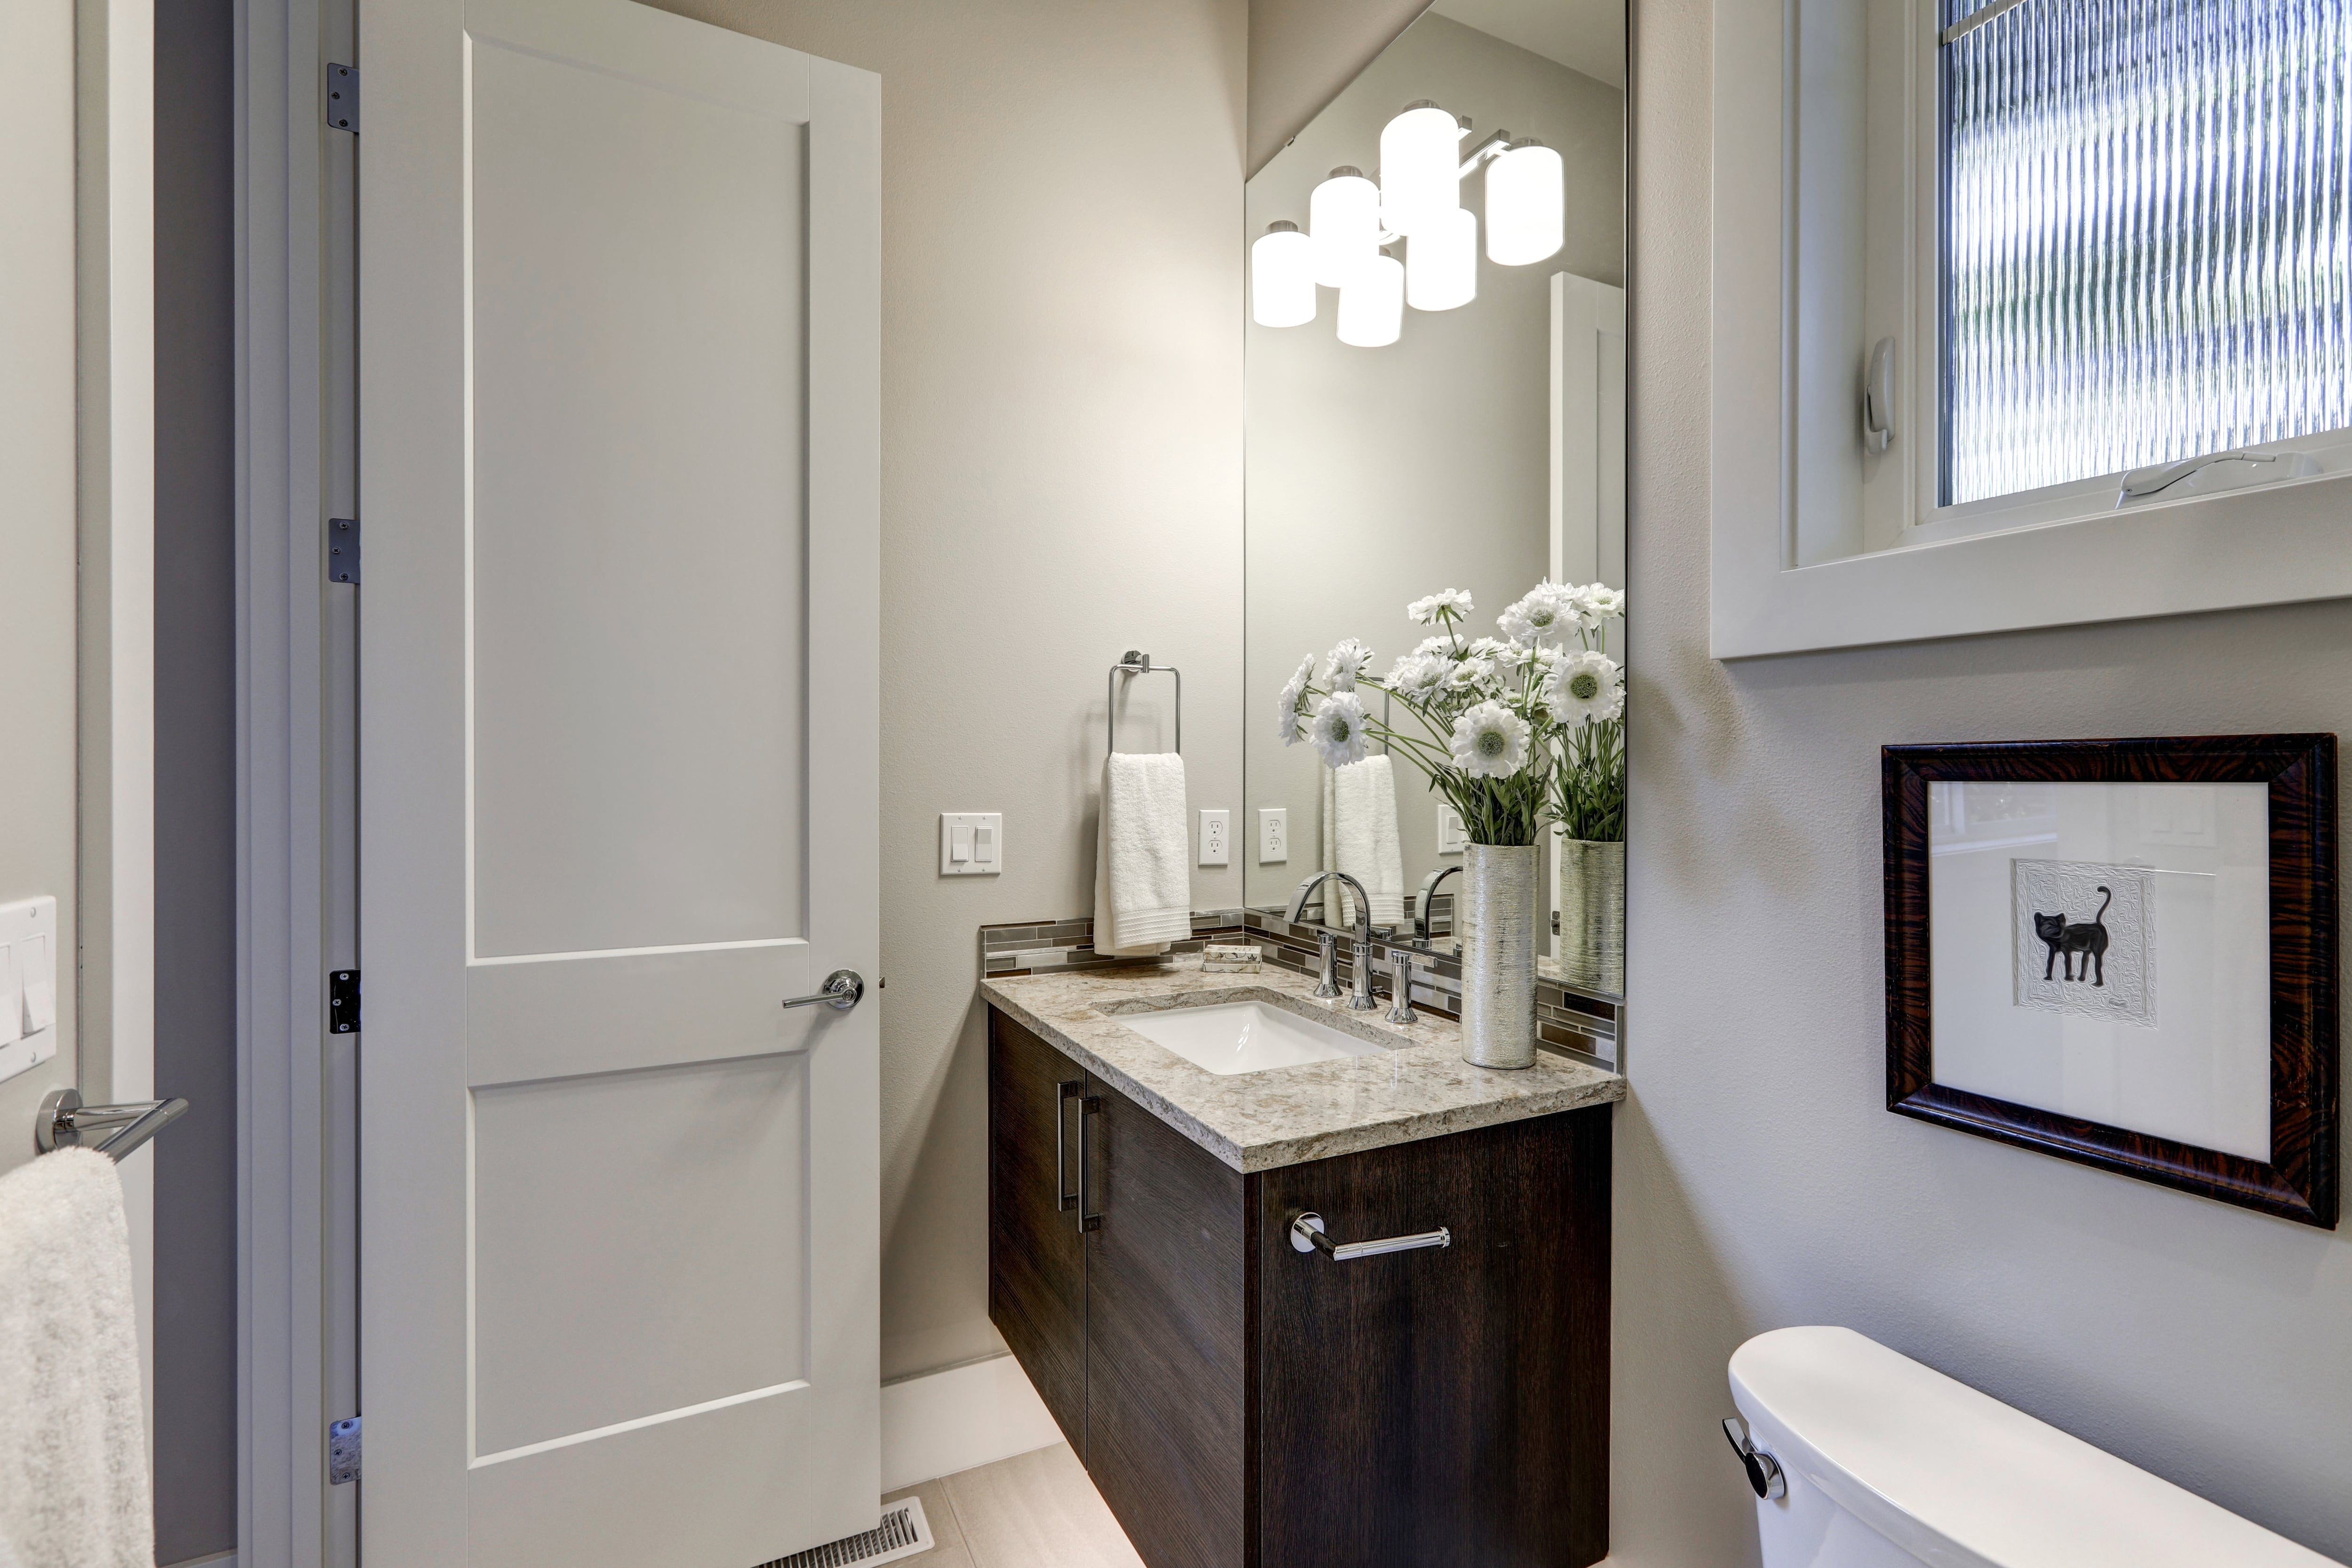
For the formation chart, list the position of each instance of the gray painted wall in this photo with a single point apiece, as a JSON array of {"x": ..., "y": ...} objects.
[
  {"x": 1061, "y": 481},
  {"x": 1761, "y": 1181},
  {"x": 195, "y": 784}
]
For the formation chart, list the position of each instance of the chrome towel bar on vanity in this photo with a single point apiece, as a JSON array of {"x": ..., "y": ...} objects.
[{"x": 1307, "y": 1235}]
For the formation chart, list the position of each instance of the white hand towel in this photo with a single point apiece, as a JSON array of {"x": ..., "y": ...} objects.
[
  {"x": 73, "y": 1447},
  {"x": 1143, "y": 887},
  {"x": 1367, "y": 842}
]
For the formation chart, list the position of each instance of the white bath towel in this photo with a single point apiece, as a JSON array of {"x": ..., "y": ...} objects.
[
  {"x": 73, "y": 1445},
  {"x": 1359, "y": 838},
  {"x": 1143, "y": 887}
]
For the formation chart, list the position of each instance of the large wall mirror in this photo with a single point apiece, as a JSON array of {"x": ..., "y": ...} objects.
[{"x": 1451, "y": 417}]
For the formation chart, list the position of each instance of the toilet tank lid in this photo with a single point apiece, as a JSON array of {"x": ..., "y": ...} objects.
[{"x": 1961, "y": 1480}]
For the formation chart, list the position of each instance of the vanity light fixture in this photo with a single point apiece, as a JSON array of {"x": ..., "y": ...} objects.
[
  {"x": 1282, "y": 276},
  {"x": 1343, "y": 221},
  {"x": 1371, "y": 303},
  {"x": 1420, "y": 159},
  {"x": 1417, "y": 200},
  {"x": 1525, "y": 204},
  {"x": 1441, "y": 262}
]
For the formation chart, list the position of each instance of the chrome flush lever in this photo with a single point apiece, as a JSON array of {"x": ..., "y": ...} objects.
[
  {"x": 1763, "y": 1469},
  {"x": 843, "y": 989}
]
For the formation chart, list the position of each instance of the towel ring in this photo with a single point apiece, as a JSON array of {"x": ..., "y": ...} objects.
[{"x": 1134, "y": 663}]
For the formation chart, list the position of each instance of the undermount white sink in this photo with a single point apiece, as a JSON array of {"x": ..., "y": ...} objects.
[{"x": 1245, "y": 1037}]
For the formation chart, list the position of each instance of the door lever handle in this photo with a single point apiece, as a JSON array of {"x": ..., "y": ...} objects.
[{"x": 843, "y": 989}]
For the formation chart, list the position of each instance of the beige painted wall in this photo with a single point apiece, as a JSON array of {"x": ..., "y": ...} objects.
[
  {"x": 1061, "y": 454},
  {"x": 1761, "y": 1181},
  {"x": 38, "y": 499}
]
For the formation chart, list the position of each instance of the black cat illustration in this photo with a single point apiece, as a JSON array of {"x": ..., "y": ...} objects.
[{"x": 2089, "y": 940}]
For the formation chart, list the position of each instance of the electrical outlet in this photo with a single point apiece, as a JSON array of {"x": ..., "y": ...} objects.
[
  {"x": 1216, "y": 838},
  {"x": 1452, "y": 837},
  {"x": 972, "y": 843},
  {"x": 1273, "y": 835}
]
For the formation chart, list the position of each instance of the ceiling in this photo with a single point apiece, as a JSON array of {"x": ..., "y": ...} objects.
[{"x": 1587, "y": 35}]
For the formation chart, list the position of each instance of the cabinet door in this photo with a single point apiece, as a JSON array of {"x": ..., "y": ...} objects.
[
  {"x": 1167, "y": 1440},
  {"x": 1448, "y": 1404},
  {"x": 1037, "y": 1257}
]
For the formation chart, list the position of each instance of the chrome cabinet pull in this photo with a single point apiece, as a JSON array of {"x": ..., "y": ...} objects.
[
  {"x": 1063, "y": 1094},
  {"x": 843, "y": 989},
  {"x": 1307, "y": 1235},
  {"x": 1088, "y": 1109}
]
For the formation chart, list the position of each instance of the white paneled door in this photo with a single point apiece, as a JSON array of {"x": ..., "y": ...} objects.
[{"x": 619, "y": 357}]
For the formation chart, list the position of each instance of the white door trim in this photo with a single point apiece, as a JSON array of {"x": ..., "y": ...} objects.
[
  {"x": 114, "y": 111},
  {"x": 281, "y": 1411}
]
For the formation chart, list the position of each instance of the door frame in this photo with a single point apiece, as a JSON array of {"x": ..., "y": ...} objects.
[{"x": 280, "y": 237}]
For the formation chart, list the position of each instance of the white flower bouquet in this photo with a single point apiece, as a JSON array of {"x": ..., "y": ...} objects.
[{"x": 1501, "y": 722}]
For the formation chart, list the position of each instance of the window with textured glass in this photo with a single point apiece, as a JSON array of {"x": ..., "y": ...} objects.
[{"x": 2145, "y": 252}]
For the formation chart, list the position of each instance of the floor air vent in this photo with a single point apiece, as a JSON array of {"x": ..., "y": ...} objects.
[{"x": 902, "y": 1533}]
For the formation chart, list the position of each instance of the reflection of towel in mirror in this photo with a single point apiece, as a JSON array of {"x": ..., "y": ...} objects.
[
  {"x": 1143, "y": 889},
  {"x": 74, "y": 1487},
  {"x": 1359, "y": 838}
]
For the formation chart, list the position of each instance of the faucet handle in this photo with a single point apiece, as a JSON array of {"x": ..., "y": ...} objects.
[
  {"x": 1400, "y": 988},
  {"x": 1329, "y": 985}
]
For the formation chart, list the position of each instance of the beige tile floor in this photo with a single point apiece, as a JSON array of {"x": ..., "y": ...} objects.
[{"x": 1032, "y": 1511}]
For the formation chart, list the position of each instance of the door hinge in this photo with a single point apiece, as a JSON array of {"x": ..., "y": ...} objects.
[
  {"x": 343, "y": 550},
  {"x": 343, "y": 1001},
  {"x": 344, "y": 98},
  {"x": 342, "y": 1451}
]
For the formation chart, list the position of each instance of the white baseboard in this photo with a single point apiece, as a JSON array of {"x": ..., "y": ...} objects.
[{"x": 949, "y": 1421}]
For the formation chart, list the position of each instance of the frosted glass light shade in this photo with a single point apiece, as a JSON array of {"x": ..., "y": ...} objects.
[
  {"x": 1527, "y": 196},
  {"x": 1371, "y": 303},
  {"x": 1343, "y": 218},
  {"x": 1441, "y": 262},
  {"x": 1421, "y": 163},
  {"x": 1282, "y": 276}
]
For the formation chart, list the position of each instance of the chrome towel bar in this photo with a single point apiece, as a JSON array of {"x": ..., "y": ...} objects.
[
  {"x": 65, "y": 1122},
  {"x": 1307, "y": 1235},
  {"x": 1133, "y": 663}
]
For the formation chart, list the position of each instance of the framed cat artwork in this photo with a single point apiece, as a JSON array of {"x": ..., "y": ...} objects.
[{"x": 2123, "y": 953}]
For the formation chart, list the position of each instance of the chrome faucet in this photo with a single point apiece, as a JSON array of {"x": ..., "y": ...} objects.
[
  {"x": 1361, "y": 997},
  {"x": 1420, "y": 905}
]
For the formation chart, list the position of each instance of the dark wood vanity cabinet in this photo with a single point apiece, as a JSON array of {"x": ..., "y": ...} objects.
[{"x": 1241, "y": 1404}]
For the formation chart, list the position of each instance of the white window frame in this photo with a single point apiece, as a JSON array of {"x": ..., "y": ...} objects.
[{"x": 2061, "y": 556}]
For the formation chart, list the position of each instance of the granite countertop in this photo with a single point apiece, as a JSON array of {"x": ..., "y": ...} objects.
[{"x": 1419, "y": 1087}]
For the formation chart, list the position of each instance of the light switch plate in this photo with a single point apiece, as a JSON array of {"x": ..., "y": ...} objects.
[
  {"x": 1273, "y": 835},
  {"x": 1452, "y": 837},
  {"x": 28, "y": 984},
  {"x": 1216, "y": 838},
  {"x": 972, "y": 843}
]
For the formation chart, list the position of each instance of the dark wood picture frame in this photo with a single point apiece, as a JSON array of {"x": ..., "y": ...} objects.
[{"x": 2299, "y": 1182}]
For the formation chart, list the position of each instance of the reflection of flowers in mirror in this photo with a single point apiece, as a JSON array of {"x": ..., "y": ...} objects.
[{"x": 1512, "y": 730}]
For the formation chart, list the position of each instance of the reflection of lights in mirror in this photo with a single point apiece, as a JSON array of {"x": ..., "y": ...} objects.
[
  {"x": 1417, "y": 200},
  {"x": 1282, "y": 276},
  {"x": 1343, "y": 220},
  {"x": 1371, "y": 303}
]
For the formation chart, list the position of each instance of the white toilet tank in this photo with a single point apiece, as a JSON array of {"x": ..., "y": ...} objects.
[{"x": 1890, "y": 1464}]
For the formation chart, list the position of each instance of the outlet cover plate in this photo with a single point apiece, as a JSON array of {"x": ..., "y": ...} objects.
[
  {"x": 1216, "y": 838},
  {"x": 1273, "y": 835}
]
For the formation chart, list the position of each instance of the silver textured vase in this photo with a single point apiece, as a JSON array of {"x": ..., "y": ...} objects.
[
  {"x": 1496, "y": 916},
  {"x": 1592, "y": 915}
]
